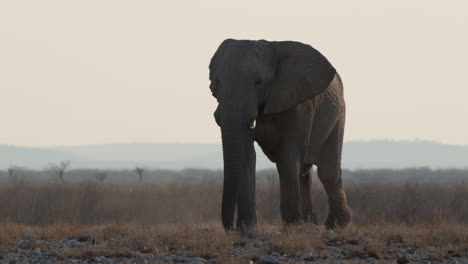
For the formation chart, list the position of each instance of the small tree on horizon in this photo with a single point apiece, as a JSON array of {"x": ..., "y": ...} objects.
[
  {"x": 101, "y": 176},
  {"x": 60, "y": 169},
  {"x": 12, "y": 173},
  {"x": 140, "y": 171}
]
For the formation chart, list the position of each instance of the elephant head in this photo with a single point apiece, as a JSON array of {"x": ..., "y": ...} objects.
[{"x": 249, "y": 79}]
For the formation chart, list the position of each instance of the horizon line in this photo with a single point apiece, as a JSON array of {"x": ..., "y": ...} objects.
[{"x": 429, "y": 141}]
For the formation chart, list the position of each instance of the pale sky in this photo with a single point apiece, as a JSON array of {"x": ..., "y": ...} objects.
[{"x": 92, "y": 71}]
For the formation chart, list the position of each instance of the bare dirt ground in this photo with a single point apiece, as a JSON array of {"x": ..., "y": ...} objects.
[{"x": 209, "y": 243}]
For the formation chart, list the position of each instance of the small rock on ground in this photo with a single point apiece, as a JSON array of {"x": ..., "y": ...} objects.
[
  {"x": 307, "y": 257},
  {"x": 267, "y": 260},
  {"x": 403, "y": 260}
]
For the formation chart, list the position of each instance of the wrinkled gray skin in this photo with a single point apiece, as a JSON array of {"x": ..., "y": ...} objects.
[{"x": 288, "y": 100}]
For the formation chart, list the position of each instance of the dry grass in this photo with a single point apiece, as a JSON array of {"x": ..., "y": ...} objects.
[
  {"x": 167, "y": 217},
  {"x": 292, "y": 240},
  {"x": 210, "y": 240},
  {"x": 96, "y": 203}
]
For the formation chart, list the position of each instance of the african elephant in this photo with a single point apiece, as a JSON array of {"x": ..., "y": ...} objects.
[{"x": 288, "y": 98}]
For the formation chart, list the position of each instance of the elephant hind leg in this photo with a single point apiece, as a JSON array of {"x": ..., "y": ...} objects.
[
  {"x": 289, "y": 171},
  {"x": 308, "y": 210},
  {"x": 339, "y": 213}
]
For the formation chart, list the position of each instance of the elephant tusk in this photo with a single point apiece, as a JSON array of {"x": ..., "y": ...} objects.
[{"x": 253, "y": 124}]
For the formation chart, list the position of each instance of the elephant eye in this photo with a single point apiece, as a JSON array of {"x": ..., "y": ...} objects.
[
  {"x": 214, "y": 88},
  {"x": 262, "y": 90}
]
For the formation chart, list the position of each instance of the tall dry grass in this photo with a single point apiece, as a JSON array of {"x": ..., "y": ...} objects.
[
  {"x": 163, "y": 218},
  {"x": 91, "y": 203}
]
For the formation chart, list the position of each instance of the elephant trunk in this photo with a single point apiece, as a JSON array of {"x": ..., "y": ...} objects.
[{"x": 239, "y": 178}]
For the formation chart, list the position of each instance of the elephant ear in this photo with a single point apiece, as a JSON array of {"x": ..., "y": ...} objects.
[
  {"x": 216, "y": 64},
  {"x": 301, "y": 73}
]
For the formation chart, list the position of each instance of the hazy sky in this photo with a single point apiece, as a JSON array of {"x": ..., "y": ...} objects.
[{"x": 86, "y": 72}]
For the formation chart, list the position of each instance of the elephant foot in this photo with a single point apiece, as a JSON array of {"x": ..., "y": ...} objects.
[
  {"x": 245, "y": 230},
  {"x": 338, "y": 218},
  {"x": 245, "y": 227},
  {"x": 292, "y": 220},
  {"x": 310, "y": 217}
]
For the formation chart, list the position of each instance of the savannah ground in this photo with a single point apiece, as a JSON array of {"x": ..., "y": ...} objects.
[{"x": 105, "y": 222}]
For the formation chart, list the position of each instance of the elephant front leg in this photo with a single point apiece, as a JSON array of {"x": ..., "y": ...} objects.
[
  {"x": 308, "y": 210},
  {"x": 339, "y": 213},
  {"x": 291, "y": 210}
]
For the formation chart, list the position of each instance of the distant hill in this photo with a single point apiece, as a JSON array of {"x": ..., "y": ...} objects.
[
  {"x": 357, "y": 154},
  {"x": 403, "y": 154},
  {"x": 37, "y": 158}
]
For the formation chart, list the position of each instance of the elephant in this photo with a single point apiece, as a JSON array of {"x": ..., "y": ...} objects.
[{"x": 287, "y": 97}]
